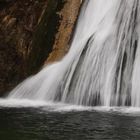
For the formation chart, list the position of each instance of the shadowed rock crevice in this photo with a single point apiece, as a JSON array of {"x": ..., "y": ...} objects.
[{"x": 44, "y": 36}]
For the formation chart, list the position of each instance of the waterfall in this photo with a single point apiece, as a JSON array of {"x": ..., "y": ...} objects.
[{"x": 102, "y": 66}]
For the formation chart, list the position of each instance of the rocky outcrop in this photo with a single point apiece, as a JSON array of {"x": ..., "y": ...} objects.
[
  {"x": 51, "y": 39},
  {"x": 68, "y": 15},
  {"x": 33, "y": 32}
]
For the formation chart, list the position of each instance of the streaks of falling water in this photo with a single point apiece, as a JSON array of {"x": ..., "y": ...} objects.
[{"x": 103, "y": 64}]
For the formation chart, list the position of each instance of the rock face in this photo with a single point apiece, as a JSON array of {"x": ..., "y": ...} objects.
[
  {"x": 33, "y": 32},
  {"x": 68, "y": 15}
]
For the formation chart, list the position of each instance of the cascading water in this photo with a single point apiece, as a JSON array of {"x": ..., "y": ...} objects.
[{"x": 103, "y": 64}]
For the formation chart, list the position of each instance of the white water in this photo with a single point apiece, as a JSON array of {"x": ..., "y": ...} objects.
[
  {"x": 103, "y": 64},
  {"x": 42, "y": 106}
]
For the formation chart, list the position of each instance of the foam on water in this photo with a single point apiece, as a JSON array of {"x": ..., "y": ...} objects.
[
  {"x": 21, "y": 103},
  {"x": 63, "y": 108}
]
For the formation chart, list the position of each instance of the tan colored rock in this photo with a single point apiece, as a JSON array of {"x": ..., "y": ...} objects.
[
  {"x": 68, "y": 15},
  {"x": 11, "y": 22}
]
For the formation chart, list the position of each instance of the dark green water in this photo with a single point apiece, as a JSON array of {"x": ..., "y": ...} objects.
[{"x": 40, "y": 124}]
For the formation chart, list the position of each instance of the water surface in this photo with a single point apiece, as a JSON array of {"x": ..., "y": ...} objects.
[{"x": 67, "y": 123}]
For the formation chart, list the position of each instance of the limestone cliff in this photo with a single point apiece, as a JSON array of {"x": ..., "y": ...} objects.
[{"x": 33, "y": 32}]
